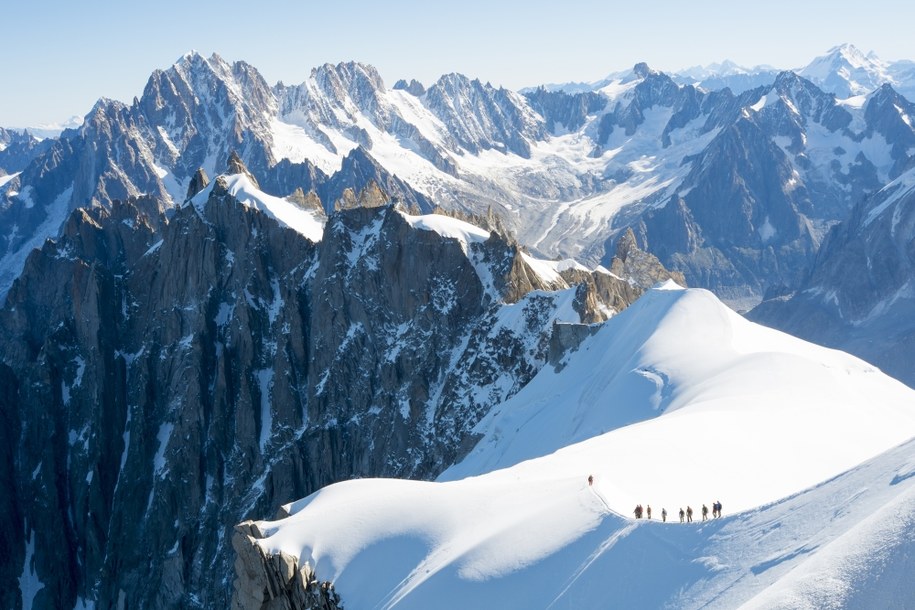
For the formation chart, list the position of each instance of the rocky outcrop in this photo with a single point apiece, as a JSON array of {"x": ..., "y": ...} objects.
[
  {"x": 566, "y": 338},
  {"x": 306, "y": 201},
  {"x": 237, "y": 166},
  {"x": 414, "y": 87},
  {"x": 275, "y": 582},
  {"x": 640, "y": 268},
  {"x": 369, "y": 197},
  {"x": 199, "y": 181}
]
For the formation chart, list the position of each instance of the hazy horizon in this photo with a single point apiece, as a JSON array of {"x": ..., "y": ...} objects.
[{"x": 69, "y": 56}]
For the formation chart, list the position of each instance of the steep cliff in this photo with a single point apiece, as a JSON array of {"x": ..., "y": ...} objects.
[{"x": 169, "y": 376}]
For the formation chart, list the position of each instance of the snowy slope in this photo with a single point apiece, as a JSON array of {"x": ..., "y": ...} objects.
[
  {"x": 847, "y": 71},
  {"x": 675, "y": 401},
  {"x": 305, "y": 222}
]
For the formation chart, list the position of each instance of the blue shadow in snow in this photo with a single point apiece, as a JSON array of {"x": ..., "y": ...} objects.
[{"x": 759, "y": 568}]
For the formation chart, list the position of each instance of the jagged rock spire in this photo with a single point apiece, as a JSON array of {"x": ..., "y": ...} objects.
[
  {"x": 306, "y": 201},
  {"x": 199, "y": 181},
  {"x": 236, "y": 166},
  {"x": 371, "y": 196},
  {"x": 644, "y": 268}
]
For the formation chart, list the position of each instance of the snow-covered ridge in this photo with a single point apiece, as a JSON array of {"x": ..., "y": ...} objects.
[
  {"x": 449, "y": 227},
  {"x": 677, "y": 401},
  {"x": 4, "y": 180},
  {"x": 307, "y": 223},
  {"x": 466, "y": 234},
  {"x": 890, "y": 194}
]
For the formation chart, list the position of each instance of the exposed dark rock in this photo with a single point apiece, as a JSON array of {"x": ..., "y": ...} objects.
[
  {"x": 414, "y": 87},
  {"x": 306, "y": 201},
  {"x": 275, "y": 582},
  {"x": 199, "y": 181},
  {"x": 236, "y": 166},
  {"x": 565, "y": 109}
]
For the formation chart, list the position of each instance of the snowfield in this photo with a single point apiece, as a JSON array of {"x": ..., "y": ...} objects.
[{"x": 676, "y": 401}]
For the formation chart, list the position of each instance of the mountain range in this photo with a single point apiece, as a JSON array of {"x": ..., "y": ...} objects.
[
  {"x": 567, "y": 173},
  {"x": 167, "y": 376},
  {"x": 224, "y": 296}
]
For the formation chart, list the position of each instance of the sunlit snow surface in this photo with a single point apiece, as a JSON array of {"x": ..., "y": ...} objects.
[
  {"x": 304, "y": 222},
  {"x": 676, "y": 401}
]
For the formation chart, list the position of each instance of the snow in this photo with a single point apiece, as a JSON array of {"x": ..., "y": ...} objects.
[
  {"x": 163, "y": 436},
  {"x": 153, "y": 248},
  {"x": 546, "y": 271},
  {"x": 4, "y": 180},
  {"x": 265, "y": 386},
  {"x": 854, "y": 102},
  {"x": 293, "y": 142},
  {"x": 677, "y": 400},
  {"x": 29, "y": 583},
  {"x": 769, "y": 99},
  {"x": 225, "y": 313},
  {"x": 11, "y": 264},
  {"x": 305, "y": 222},
  {"x": 766, "y": 231},
  {"x": 448, "y": 227},
  {"x": 890, "y": 194}
]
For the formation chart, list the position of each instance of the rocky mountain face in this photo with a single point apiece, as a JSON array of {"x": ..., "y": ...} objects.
[
  {"x": 18, "y": 148},
  {"x": 859, "y": 294},
  {"x": 190, "y": 116},
  {"x": 783, "y": 163},
  {"x": 568, "y": 173},
  {"x": 166, "y": 376}
]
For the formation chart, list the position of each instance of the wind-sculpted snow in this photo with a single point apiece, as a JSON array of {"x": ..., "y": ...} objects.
[{"x": 677, "y": 401}]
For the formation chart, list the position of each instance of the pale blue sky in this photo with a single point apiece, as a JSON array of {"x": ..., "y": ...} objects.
[{"x": 59, "y": 57}]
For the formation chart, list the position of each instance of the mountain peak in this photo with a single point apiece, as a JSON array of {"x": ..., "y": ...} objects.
[
  {"x": 642, "y": 70},
  {"x": 846, "y": 71},
  {"x": 851, "y": 53},
  {"x": 348, "y": 74},
  {"x": 236, "y": 166}
]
